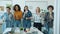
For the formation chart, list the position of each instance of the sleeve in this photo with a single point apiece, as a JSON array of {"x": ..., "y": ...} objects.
[
  {"x": 14, "y": 15},
  {"x": 29, "y": 14},
  {"x": 45, "y": 18},
  {"x": 53, "y": 16},
  {"x": 21, "y": 15},
  {"x": 3, "y": 15},
  {"x": 33, "y": 17},
  {"x": 12, "y": 19}
]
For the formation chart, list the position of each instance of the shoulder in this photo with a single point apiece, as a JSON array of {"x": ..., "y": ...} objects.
[
  {"x": 29, "y": 12},
  {"x": 21, "y": 12},
  {"x": 47, "y": 13},
  {"x": 5, "y": 13},
  {"x": 53, "y": 12},
  {"x": 14, "y": 12},
  {"x": 34, "y": 14},
  {"x": 11, "y": 13}
]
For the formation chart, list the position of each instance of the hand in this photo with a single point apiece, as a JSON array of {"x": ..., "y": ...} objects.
[
  {"x": 51, "y": 16},
  {"x": 26, "y": 18},
  {"x": 29, "y": 18}
]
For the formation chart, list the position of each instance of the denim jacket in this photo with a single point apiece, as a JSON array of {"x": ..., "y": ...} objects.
[
  {"x": 7, "y": 17},
  {"x": 29, "y": 14}
]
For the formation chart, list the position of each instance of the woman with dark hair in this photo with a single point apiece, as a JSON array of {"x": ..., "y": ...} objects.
[
  {"x": 27, "y": 19},
  {"x": 18, "y": 7},
  {"x": 49, "y": 18},
  {"x": 17, "y": 15}
]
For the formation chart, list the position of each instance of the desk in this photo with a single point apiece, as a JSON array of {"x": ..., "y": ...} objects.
[{"x": 17, "y": 31}]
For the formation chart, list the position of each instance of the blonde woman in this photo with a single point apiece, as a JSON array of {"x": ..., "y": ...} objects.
[{"x": 37, "y": 19}]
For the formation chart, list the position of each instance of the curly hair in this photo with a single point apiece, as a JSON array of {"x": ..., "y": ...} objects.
[
  {"x": 19, "y": 8},
  {"x": 51, "y": 7}
]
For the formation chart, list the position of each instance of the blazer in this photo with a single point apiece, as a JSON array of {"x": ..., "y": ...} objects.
[{"x": 48, "y": 20}]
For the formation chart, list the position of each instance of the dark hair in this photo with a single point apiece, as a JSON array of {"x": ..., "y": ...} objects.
[
  {"x": 19, "y": 8},
  {"x": 51, "y": 7},
  {"x": 8, "y": 8},
  {"x": 24, "y": 8}
]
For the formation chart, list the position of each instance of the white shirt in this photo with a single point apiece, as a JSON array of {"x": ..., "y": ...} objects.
[{"x": 37, "y": 18}]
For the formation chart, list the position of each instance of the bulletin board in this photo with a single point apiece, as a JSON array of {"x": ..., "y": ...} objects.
[
  {"x": 33, "y": 4},
  {"x": 1, "y": 8}
]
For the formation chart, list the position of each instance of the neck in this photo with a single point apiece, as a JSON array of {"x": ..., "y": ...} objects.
[
  {"x": 50, "y": 12},
  {"x": 37, "y": 13},
  {"x": 26, "y": 10},
  {"x": 16, "y": 10}
]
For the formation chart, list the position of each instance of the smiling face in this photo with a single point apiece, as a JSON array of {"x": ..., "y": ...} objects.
[
  {"x": 8, "y": 10},
  {"x": 50, "y": 9},
  {"x": 16, "y": 8},
  {"x": 26, "y": 8}
]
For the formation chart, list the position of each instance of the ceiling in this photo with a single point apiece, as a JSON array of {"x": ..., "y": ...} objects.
[{"x": 5, "y": 0}]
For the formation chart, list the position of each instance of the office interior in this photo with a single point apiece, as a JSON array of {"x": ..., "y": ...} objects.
[{"x": 32, "y": 4}]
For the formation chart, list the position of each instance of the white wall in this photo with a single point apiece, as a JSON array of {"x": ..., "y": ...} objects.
[
  {"x": 22, "y": 2},
  {"x": 50, "y": 2},
  {"x": 33, "y": 4},
  {"x": 58, "y": 16}
]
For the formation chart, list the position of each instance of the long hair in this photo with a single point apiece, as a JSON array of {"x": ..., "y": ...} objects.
[
  {"x": 24, "y": 8},
  {"x": 19, "y": 8}
]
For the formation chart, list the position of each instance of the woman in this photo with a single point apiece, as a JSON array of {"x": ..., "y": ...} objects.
[
  {"x": 17, "y": 15},
  {"x": 8, "y": 18},
  {"x": 37, "y": 19},
  {"x": 49, "y": 18},
  {"x": 27, "y": 19}
]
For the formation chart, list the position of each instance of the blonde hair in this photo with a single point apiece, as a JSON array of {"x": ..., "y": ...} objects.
[{"x": 38, "y": 9}]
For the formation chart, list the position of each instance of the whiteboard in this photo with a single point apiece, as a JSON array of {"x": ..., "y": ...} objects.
[{"x": 33, "y": 4}]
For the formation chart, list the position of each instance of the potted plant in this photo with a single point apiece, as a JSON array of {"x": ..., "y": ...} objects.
[{"x": 21, "y": 28}]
